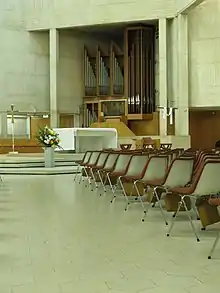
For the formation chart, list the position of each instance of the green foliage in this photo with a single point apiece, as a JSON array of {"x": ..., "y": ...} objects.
[{"x": 47, "y": 137}]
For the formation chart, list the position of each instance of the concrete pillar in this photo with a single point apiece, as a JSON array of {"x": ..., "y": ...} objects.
[
  {"x": 54, "y": 57},
  {"x": 163, "y": 84},
  {"x": 182, "y": 113},
  {"x": 77, "y": 121},
  {"x": 3, "y": 125}
]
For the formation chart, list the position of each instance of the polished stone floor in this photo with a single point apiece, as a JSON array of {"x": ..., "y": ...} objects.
[{"x": 58, "y": 237}]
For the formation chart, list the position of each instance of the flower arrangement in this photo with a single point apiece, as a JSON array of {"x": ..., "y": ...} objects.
[{"x": 48, "y": 137}]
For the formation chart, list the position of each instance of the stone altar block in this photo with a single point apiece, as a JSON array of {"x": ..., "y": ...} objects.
[{"x": 83, "y": 139}]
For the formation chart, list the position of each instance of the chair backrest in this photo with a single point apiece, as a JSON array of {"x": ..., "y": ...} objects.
[
  {"x": 207, "y": 181},
  {"x": 180, "y": 172},
  {"x": 86, "y": 157},
  {"x": 171, "y": 157},
  {"x": 102, "y": 159},
  {"x": 137, "y": 165},
  {"x": 156, "y": 168},
  {"x": 111, "y": 160},
  {"x": 94, "y": 157},
  {"x": 202, "y": 158},
  {"x": 122, "y": 162}
]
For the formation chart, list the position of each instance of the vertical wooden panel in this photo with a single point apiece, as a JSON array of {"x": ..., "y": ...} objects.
[
  {"x": 37, "y": 123},
  {"x": 204, "y": 127},
  {"x": 145, "y": 128},
  {"x": 66, "y": 121}
]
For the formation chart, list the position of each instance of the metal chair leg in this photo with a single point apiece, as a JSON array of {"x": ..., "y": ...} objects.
[
  {"x": 123, "y": 190},
  {"x": 182, "y": 202},
  {"x": 190, "y": 219},
  {"x": 193, "y": 203},
  {"x": 174, "y": 218},
  {"x": 114, "y": 192},
  {"x": 101, "y": 180},
  {"x": 87, "y": 177},
  {"x": 127, "y": 198},
  {"x": 140, "y": 198},
  {"x": 77, "y": 171},
  {"x": 113, "y": 188},
  {"x": 93, "y": 178},
  {"x": 81, "y": 179},
  {"x": 159, "y": 202},
  {"x": 214, "y": 245}
]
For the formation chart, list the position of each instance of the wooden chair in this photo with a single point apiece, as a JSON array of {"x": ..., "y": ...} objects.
[
  {"x": 116, "y": 175},
  {"x": 82, "y": 162},
  {"x": 109, "y": 167},
  {"x": 135, "y": 171},
  {"x": 178, "y": 174},
  {"x": 120, "y": 168},
  {"x": 155, "y": 169},
  {"x": 205, "y": 182},
  {"x": 92, "y": 170},
  {"x": 85, "y": 167}
]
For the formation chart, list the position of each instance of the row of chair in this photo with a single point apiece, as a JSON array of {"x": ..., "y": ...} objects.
[{"x": 190, "y": 175}]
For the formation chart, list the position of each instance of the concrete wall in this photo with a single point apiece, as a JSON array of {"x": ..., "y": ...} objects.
[
  {"x": 24, "y": 74},
  {"x": 204, "y": 45},
  {"x": 66, "y": 13},
  {"x": 23, "y": 61},
  {"x": 70, "y": 72},
  {"x": 71, "y": 62}
]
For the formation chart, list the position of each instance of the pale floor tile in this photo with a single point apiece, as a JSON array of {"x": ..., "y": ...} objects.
[{"x": 58, "y": 237}]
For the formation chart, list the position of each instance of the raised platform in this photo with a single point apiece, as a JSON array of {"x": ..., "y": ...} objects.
[
  {"x": 39, "y": 171},
  {"x": 33, "y": 164}
]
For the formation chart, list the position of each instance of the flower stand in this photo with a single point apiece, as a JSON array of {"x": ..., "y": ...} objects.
[{"x": 49, "y": 157}]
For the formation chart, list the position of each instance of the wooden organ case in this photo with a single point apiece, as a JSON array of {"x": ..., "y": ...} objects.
[{"x": 123, "y": 72}]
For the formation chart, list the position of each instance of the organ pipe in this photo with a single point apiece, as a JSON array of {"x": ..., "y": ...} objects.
[{"x": 141, "y": 75}]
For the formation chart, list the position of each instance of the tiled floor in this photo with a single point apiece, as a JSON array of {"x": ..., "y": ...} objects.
[{"x": 58, "y": 237}]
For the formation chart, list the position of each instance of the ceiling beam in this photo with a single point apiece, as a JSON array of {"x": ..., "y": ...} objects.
[{"x": 190, "y": 6}]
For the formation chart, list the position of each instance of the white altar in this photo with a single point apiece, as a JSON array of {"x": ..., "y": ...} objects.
[{"x": 83, "y": 139}]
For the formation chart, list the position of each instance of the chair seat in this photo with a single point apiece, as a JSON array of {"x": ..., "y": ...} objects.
[
  {"x": 117, "y": 174},
  {"x": 156, "y": 182},
  {"x": 97, "y": 168},
  {"x": 90, "y": 165},
  {"x": 130, "y": 178},
  {"x": 107, "y": 170},
  {"x": 182, "y": 190},
  {"x": 214, "y": 201}
]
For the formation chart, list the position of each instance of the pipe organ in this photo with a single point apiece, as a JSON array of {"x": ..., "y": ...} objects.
[
  {"x": 117, "y": 70},
  {"x": 122, "y": 72},
  {"x": 90, "y": 74},
  {"x": 103, "y": 74},
  {"x": 139, "y": 54}
]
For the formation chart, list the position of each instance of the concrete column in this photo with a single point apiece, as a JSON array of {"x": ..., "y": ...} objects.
[
  {"x": 163, "y": 84},
  {"x": 54, "y": 57},
  {"x": 182, "y": 113},
  {"x": 77, "y": 121},
  {"x": 3, "y": 125}
]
